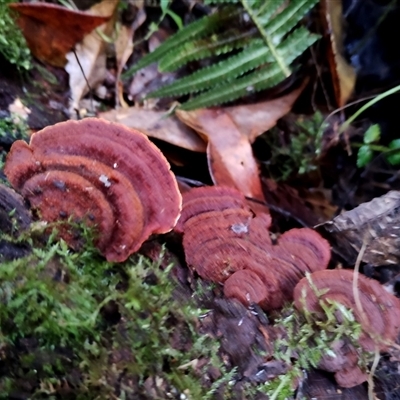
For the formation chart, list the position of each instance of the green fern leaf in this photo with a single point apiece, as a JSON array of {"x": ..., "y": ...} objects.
[
  {"x": 199, "y": 49},
  {"x": 263, "y": 78},
  {"x": 286, "y": 20},
  {"x": 220, "y": 1},
  {"x": 195, "y": 30},
  {"x": 250, "y": 58},
  {"x": 273, "y": 32},
  {"x": 296, "y": 43},
  {"x": 264, "y": 16},
  {"x": 268, "y": 50}
]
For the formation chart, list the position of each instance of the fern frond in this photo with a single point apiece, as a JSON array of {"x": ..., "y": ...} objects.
[
  {"x": 199, "y": 49},
  {"x": 267, "y": 38},
  {"x": 296, "y": 43},
  {"x": 220, "y": 1},
  {"x": 250, "y": 58},
  {"x": 268, "y": 9},
  {"x": 286, "y": 20},
  {"x": 195, "y": 30},
  {"x": 263, "y": 78}
]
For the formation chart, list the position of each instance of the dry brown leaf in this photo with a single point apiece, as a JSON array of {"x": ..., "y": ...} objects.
[
  {"x": 376, "y": 224},
  {"x": 307, "y": 207},
  {"x": 91, "y": 55},
  {"x": 230, "y": 132},
  {"x": 153, "y": 124},
  {"x": 150, "y": 78},
  {"x": 124, "y": 46},
  {"x": 343, "y": 74},
  {"x": 51, "y": 31}
]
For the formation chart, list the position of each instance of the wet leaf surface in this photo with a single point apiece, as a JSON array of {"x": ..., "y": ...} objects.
[{"x": 52, "y": 31}]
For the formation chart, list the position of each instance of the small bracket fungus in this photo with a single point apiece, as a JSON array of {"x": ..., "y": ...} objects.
[
  {"x": 225, "y": 243},
  {"x": 69, "y": 170},
  {"x": 379, "y": 314},
  {"x": 209, "y": 198}
]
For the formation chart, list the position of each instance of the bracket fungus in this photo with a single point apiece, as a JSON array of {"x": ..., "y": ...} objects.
[
  {"x": 225, "y": 243},
  {"x": 379, "y": 315},
  {"x": 209, "y": 198},
  {"x": 109, "y": 175}
]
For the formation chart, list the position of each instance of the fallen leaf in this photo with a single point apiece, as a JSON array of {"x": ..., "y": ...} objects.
[
  {"x": 51, "y": 31},
  {"x": 375, "y": 223},
  {"x": 124, "y": 45},
  {"x": 155, "y": 124},
  {"x": 307, "y": 207},
  {"x": 91, "y": 55},
  {"x": 150, "y": 78},
  {"x": 343, "y": 74},
  {"x": 229, "y": 132}
]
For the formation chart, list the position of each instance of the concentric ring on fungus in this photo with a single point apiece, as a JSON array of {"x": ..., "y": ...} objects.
[
  {"x": 120, "y": 167},
  {"x": 225, "y": 243},
  {"x": 380, "y": 314}
]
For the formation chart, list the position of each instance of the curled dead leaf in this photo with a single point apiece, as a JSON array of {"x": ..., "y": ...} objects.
[{"x": 51, "y": 31}]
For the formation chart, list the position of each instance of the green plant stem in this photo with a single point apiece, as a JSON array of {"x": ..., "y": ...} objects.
[
  {"x": 374, "y": 147},
  {"x": 381, "y": 96},
  {"x": 284, "y": 382},
  {"x": 371, "y": 374},
  {"x": 267, "y": 40}
]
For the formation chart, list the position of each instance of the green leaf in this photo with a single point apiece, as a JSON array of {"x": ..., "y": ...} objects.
[
  {"x": 194, "y": 30},
  {"x": 288, "y": 18},
  {"x": 263, "y": 78},
  {"x": 202, "y": 48},
  {"x": 372, "y": 134},
  {"x": 394, "y": 156},
  {"x": 364, "y": 156},
  {"x": 268, "y": 39},
  {"x": 248, "y": 59}
]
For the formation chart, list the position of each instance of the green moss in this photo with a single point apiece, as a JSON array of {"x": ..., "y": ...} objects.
[
  {"x": 307, "y": 337},
  {"x": 75, "y": 325},
  {"x": 12, "y": 44},
  {"x": 295, "y": 152}
]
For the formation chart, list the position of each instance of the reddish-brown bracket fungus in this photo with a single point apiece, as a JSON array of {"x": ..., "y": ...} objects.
[
  {"x": 225, "y": 243},
  {"x": 209, "y": 198},
  {"x": 105, "y": 173},
  {"x": 380, "y": 311},
  {"x": 379, "y": 314}
]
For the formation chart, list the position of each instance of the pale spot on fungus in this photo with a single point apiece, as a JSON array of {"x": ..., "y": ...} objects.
[{"x": 104, "y": 179}]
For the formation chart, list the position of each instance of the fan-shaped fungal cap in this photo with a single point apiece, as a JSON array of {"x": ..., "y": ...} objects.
[
  {"x": 305, "y": 238},
  {"x": 247, "y": 287},
  {"x": 209, "y": 198},
  {"x": 112, "y": 176},
  {"x": 222, "y": 237},
  {"x": 380, "y": 313},
  {"x": 344, "y": 363}
]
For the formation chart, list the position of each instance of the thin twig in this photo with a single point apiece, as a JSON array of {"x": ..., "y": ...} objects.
[
  {"x": 356, "y": 293},
  {"x": 371, "y": 395},
  {"x": 86, "y": 80}
]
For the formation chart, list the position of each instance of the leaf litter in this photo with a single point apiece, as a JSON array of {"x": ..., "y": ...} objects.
[{"x": 227, "y": 135}]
